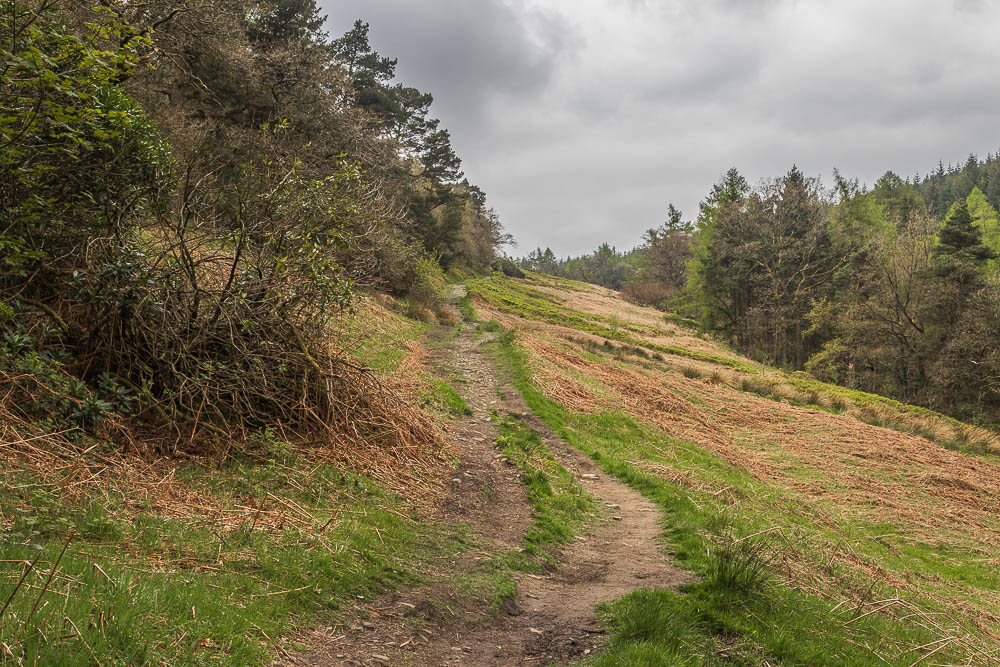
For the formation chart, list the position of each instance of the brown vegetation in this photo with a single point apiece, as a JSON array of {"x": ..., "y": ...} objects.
[{"x": 824, "y": 468}]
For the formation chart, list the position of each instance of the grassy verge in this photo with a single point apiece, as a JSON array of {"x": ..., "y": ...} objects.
[
  {"x": 742, "y": 610},
  {"x": 202, "y": 562},
  {"x": 146, "y": 588}
]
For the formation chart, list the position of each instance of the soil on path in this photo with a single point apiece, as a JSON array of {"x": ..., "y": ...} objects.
[{"x": 551, "y": 619}]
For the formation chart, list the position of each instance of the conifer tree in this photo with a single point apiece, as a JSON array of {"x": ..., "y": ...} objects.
[{"x": 960, "y": 239}]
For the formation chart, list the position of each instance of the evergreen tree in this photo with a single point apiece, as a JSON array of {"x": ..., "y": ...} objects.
[
  {"x": 985, "y": 218},
  {"x": 287, "y": 21},
  {"x": 439, "y": 158},
  {"x": 960, "y": 239},
  {"x": 370, "y": 72},
  {"x": 713, "y": 278}
]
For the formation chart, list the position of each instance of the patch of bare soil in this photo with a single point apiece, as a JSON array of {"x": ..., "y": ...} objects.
[{"x": 551, "y": 619}]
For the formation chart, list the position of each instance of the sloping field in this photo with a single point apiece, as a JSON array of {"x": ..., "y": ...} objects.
[{"x": 876, "y": 509}]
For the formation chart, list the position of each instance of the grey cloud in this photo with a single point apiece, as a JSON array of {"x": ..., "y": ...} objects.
[
  {"x": 463, "y": 52},
  {"x": 973, "y": 6},
  {"x": 582, "y": 118}
]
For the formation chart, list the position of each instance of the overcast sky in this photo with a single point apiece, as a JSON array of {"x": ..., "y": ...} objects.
[{"x": 582, "y": 119}]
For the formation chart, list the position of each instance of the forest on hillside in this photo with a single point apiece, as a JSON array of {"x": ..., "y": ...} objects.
[
  {"x": 191, "y": 194},
  {"x": 892, "y": 289}
]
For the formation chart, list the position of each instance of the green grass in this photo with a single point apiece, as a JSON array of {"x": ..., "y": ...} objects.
[
  {"x": 444, "y": 398},
  {"x": 160, "y": 590},
  {"x": 560, "y": 508},
  {"x": 467, "y": 309},
  {"x": 559, "y": 503},
  {"x": 517, "y": 298},
  {"x": 490, "y": 327},
  {"x": 743, "y": 613}
]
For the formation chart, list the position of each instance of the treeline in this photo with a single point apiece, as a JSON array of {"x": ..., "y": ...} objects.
[
  {"x": 191, "y": 191},
  {"x": 650, "y": 274},
  {"x": 893, "y": 289}
]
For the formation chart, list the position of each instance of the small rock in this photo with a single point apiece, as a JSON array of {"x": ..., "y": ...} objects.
[{"x": 617, "y": 518}]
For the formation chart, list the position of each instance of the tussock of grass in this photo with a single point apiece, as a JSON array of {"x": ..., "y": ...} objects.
[
  {"x": 490, "y": 327},
  {"x": 741, "y": 566}
]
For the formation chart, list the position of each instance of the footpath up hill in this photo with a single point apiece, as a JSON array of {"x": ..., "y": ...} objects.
[
  {"x": 593, "y": 483},
  {"x": 876, "y": 522}
]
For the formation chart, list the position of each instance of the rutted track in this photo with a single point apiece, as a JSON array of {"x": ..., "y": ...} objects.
[{"x": 552, "y": 618}]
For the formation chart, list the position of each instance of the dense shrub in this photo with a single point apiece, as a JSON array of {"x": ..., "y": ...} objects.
[
  {"x": 177, "y": 240},
  {"x": 427, "y": 289},
  {"x": 647, "y": 293},
  {"x": 508, "y": 268}
]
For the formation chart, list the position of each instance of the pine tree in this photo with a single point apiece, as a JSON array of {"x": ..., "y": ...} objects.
[
  {"x": 287, "y": 20},
  {"x": 960, "y": 239}
]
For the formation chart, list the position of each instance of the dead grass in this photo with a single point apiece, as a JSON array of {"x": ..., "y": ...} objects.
[
  {"x": 372, "y": 428},
  {"x": 828, "y": 470}
]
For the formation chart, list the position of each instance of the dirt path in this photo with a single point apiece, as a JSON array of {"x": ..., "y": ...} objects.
[{"x": 551, "y": 619}]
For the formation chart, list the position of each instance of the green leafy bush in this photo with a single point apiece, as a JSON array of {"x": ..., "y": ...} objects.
[
  {"x": 508, "y": 268},
  {"x": 427, "y": 289}
]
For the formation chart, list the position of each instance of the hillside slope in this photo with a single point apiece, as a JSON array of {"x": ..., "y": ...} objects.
[
  {"x": 878, "y": 521},
  {"x": 814, "y": 525}
]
